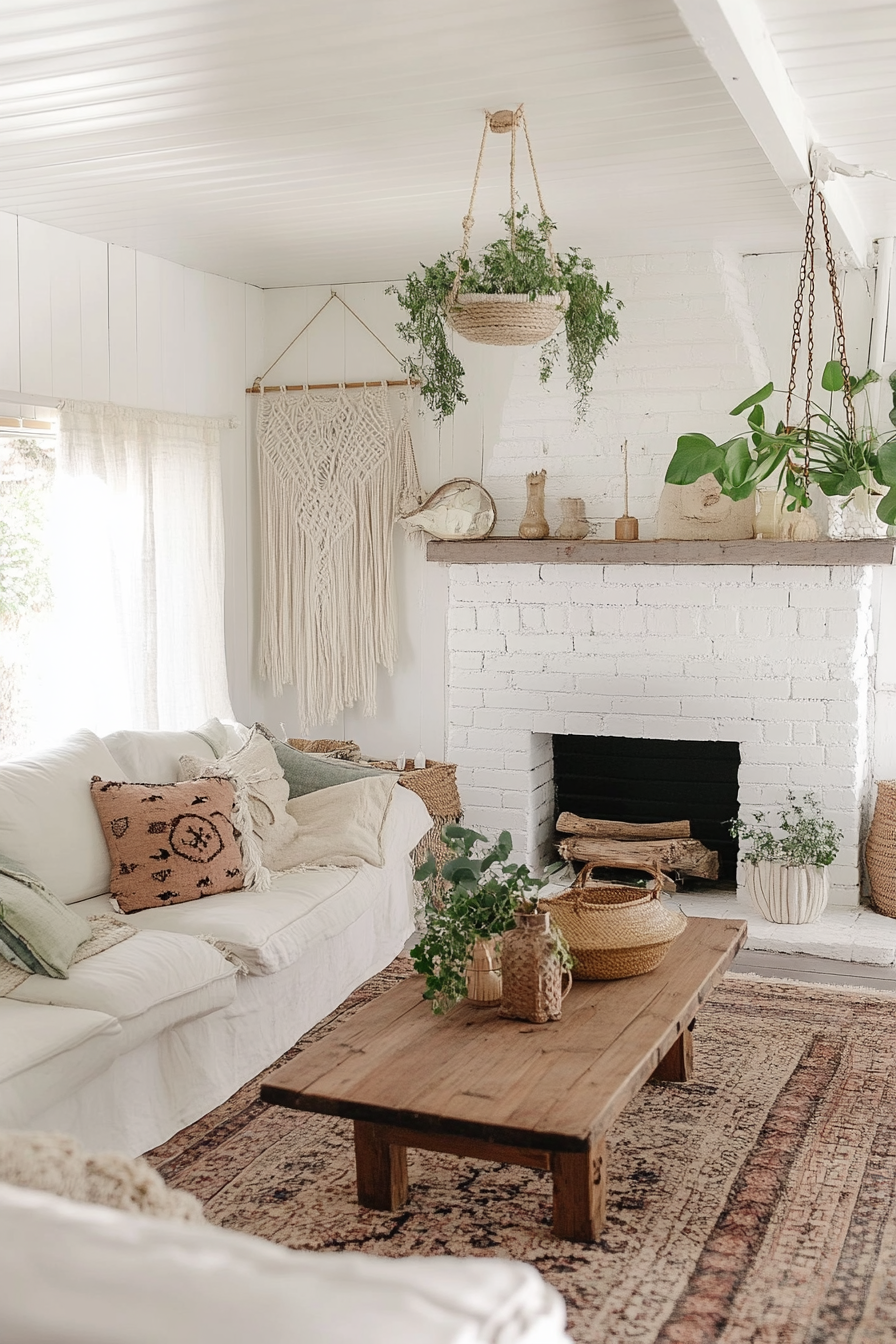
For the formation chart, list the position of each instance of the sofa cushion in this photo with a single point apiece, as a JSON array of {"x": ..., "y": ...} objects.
[
  {"x": 119, "y": 1277},
  {"x": 152, "y": 757},
  {"x": 46, "y": 1053},
  {"x": 37, "y": 932},
  {"x": 268, "y": 930},
  {"x": 148, "y": 983},
  {"x": 47, "y": 821}
]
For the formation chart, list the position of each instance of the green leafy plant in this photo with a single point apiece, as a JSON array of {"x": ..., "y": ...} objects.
[
  {"x": 802, "y": 836},
  {"x": 519, "y": 264},
  {"x": 479, "y": 894},
  {"x": 840, "y": 462}
]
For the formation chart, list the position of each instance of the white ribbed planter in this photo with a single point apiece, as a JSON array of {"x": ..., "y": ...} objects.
[{"x": 785, "y": 894}]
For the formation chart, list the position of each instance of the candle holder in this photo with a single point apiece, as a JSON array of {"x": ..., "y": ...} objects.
[{"x": 626, "y": 527}]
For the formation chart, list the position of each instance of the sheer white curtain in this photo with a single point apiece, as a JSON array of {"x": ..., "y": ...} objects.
[{"x": 137, "y": 539}]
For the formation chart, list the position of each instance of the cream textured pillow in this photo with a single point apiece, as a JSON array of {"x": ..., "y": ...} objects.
[
  {"x": 342, "y": 826},
  {"x": 256, "y": 767}
]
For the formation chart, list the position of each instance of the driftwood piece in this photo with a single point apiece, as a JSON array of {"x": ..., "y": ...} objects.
[
  {"x": 688, "y": 857},
  {"x": 570, "y": 824}
]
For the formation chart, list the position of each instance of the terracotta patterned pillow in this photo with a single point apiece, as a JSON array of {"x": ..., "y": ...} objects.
[{"x": 168, "y": 843}]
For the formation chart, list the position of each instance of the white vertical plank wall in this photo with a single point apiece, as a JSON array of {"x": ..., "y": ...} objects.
[{"x": 89, "y": 320}]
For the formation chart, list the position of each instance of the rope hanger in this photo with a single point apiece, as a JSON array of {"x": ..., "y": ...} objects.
[{"x": 257, "y": 389}]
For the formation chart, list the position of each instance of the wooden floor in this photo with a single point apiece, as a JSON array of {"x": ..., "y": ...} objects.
[{"x": 816, "y": 970}]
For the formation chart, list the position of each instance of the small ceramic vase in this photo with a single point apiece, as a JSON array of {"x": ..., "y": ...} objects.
[
  {"x": 574, "y": 524},
  {"x": 484, "y": 975},
  {"x": 531, "y": 974},
  {"x": 534, "y": 525}
]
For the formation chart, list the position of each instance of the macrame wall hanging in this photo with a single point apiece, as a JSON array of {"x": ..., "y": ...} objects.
[{"x": 335, "y": 474}]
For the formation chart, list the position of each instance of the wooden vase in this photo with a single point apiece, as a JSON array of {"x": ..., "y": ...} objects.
[
  {"x": 484, "y": 974},
  {"x": 534, "y": 525},
  {"x": 532, "y": 979}
]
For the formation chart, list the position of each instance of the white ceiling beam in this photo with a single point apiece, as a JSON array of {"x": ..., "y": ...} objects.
[{"x": 738, "y": 46}]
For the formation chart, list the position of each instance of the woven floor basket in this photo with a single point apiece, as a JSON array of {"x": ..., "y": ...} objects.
[
  {"x": 507, "y": 319},
  {"x": 880, "y": 850},
  {"x": 326, "y": 746},
  {"x": 613, "y": 932},
  {"x": 436, "y": 784}
]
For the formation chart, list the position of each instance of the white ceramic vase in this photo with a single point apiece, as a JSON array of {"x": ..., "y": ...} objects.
[
  {"x": 857, "y": 519},
  {"x": 787, "y": 894}
]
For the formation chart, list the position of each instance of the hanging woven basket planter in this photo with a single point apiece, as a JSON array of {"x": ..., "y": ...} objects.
[
  {"x": 506, "y": 319},
  {"x": 519, "y": 291}
]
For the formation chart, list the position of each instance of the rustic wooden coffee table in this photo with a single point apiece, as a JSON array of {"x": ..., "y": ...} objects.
[{"x": 477, "y": 1085}]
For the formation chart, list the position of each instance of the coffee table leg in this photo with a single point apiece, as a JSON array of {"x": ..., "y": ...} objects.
[
  {"x": 580, "y": 1192},
  {"x": 677, "y": 1065},
  {"x": 381, "y": 1168}
]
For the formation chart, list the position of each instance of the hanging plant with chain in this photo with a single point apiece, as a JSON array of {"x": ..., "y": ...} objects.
[
  {"x": 517, "y": 292},
  {"x": 846, "y": 462}
]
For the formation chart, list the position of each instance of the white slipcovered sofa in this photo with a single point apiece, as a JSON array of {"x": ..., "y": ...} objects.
[
  {"x": 80, "y": 1274},
  {"x": 155, "y": 1032}
]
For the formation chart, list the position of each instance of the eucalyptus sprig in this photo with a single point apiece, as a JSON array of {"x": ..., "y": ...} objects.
[
  {"x": 517, "y": 264},
  {"x": 803, "y": 836},
  {"x": 478, "y": 896}
]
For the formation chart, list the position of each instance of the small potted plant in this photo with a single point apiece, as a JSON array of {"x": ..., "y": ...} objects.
[
  {"x": 787, "y": 867},
  {"x": 470, "y": 903}
]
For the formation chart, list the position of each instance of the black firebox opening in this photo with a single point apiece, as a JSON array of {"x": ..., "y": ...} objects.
[{"x": 647, "y": 780}]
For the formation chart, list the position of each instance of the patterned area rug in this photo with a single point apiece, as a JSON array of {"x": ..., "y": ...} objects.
[{"x": 753, "y": 1204}]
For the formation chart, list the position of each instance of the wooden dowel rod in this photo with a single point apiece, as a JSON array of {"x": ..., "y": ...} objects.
[{"x": 321, "y": 387}]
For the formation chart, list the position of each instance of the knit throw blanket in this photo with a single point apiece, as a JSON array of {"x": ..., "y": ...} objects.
[
  {"x": 107, "y": 931},
  {"x": 335, "y": 474}
]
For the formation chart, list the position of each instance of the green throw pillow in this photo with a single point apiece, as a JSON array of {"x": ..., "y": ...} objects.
[
  {"x": 305, "y": 773},
  {"x": 37, "y": 932}
]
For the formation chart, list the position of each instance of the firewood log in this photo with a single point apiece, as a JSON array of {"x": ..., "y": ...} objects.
[
  {"x": 686, "y": 856},
  {"x": 570, "y": 824}
]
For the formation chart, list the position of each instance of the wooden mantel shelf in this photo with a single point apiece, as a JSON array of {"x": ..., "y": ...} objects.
[{"x": 514, "y": 551}]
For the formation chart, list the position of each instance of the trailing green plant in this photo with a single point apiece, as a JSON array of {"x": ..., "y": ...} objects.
[
  {"x": 479, "y": 893},
  {"x": 801, "y": 837},
  {"x": 840, "y": 461},
  {"x": 517, "y": 264}
]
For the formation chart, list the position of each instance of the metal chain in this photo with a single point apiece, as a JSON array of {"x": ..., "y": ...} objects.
[
  {"x": 838, "y": 323},
  {"x": 798, "y": 305}
]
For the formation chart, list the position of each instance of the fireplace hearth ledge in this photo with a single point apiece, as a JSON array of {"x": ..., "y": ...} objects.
[{"x": 854, "y": 934}]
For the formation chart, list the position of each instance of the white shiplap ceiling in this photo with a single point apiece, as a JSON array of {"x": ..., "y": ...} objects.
[
  {"x": 283, "y": 142},
  {"x": 841, "y": 59}
]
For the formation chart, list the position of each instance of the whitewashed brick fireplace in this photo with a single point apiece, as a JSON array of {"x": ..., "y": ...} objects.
[{"x": 776, "y": 658}]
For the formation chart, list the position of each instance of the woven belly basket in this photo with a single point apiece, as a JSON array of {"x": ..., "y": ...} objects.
[{"x": 614, "y": 932}]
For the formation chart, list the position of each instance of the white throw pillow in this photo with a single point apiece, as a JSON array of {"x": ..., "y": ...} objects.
[
  {"x": 48, "y": 821},
  {"x": 255, "y": 765},
  {"x": 153, "y": 757},
  {"x": 342, "y": 825}
]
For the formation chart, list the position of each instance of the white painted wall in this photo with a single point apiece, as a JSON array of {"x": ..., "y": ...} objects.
[{"x": 89, "y": 320}]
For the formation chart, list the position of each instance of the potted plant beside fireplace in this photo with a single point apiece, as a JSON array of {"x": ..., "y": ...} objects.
[{"x": 787, "y": 863}]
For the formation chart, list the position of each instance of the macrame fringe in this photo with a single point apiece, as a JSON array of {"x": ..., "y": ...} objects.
[
  {"x": 226, "y": 952},
  {"x": 335, "y": 474}
]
